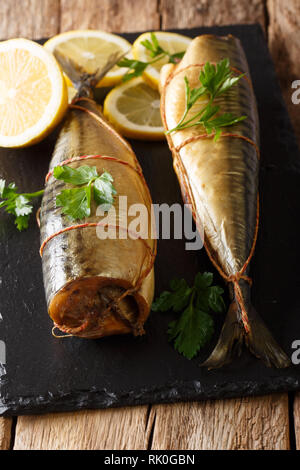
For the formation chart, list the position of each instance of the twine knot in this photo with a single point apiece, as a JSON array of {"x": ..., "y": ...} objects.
[{"x": 235, "y": 278}]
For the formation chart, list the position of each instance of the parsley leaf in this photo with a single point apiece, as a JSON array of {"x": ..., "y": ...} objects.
[
  {"x": 136, "y": 68},
  {"x": 22, "y": 206},
  {"x": 153, "y": 46},
  {"x": 215, "y": 80},
  {"x": 104, "y": 190},
  {"x": 156, "y": 50},
  {"x": 177, "y": 299},
  {"x": 18, "y": 205},
  {"x": 194, "y": 327},
  {"x": 76, "y": 176},
  {"x": 191, "y": 331},
  {"x": 22, "y": 222},
  {"x": 226, "y": 119},
  {"x": 76, "y": 202}
]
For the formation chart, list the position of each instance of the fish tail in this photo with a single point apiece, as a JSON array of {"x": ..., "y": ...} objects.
[
  {"x": 261, "y": 343},
  {"x": 85, "y": 82},
  {"x": 230, "y": 341},
  {"x": 258, "y": 339}
]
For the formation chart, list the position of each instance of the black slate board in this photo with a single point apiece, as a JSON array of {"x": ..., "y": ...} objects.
[{"x": 44, "y": 374}]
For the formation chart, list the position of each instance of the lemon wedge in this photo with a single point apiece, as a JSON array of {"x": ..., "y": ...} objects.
[
  {"x": 134, "y": 109},
  {"x": 170, "y": 42},
  {"x": 91, "y": 49},
  {"x": 33, "y": 93}
]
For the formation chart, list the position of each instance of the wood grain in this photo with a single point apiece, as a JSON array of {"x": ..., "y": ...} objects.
[
  {"x": 247, "y": 423},
  {"x": 111, "y": 15},
  {"x": 284, "y": 43},
  {"x": 29, "y": 18},
  {"x": 297, "y": 419},
  {"x": 5, "y": 433},
  {"x": 284, "y": 37},
  {"x": 124, "y": 428},
  {"x": 190, "y": 13}
]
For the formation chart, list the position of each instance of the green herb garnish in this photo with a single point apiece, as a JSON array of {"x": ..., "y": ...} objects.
[
  {"x": 194, "y": 328},
  {"x": 104, "y": 190},
  {"x": 17, "y": 204},
  {"x": 76, "y": 202},
  {"x": 157, "y": 51},
  {"x": 215, "y": 80},
  {"x": 136, "y": 68}
]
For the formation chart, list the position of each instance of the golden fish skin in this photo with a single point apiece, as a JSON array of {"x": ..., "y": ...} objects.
[
  {"x": 84, "y": 276},
  {"x": 220, "y": 180}
]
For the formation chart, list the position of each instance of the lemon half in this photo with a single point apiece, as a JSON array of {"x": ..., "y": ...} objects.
[
  {"x": 33, "y": 93},
  {"x": 134, "y": 109},
  {"x": 91, "y": 49},
  {"x": 170, "y": 42}
]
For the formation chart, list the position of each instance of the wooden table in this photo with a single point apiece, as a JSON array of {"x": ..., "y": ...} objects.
[{"x": 269, "y": 422}]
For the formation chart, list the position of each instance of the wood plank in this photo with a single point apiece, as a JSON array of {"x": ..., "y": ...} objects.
[
  {"x": 190, "y": 13},
  {"x": 29, "y": 18},
  {"x": 297, "y": 420},
  {"x": 5, "y": 433},
  {"x": 110, "y": 15},
  {"x": 247, "y": 423},
  {"x": 123, "y": 428},
  {"x": 284, "y": 38},
  {"x": 284, "y": 43}
]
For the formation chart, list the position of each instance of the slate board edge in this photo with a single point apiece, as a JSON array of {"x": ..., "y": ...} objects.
[{"x": 172, "y": 393}]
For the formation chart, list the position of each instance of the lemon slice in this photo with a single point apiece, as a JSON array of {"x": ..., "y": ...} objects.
[
  {"x": 134, "y": 109},
  {"x": 33, "y": 93},
  {"x": 170, "y": 42},
  {"x": 91, "y": 49},
  {"x": 71, "y": 93}
]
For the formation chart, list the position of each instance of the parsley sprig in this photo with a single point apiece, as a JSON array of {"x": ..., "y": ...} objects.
[
  {"x": 195, "y": 326},
  {"x": 215, "y": 80},
  {"x": 136, "y": 68},
  {"x": 76, "y": 202},
  {"x": 17, "y": 204},
  {"x": 157, "y": 51}
]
